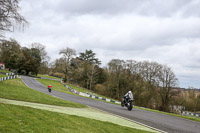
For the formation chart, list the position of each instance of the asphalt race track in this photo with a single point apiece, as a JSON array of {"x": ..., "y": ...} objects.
[{"x": 162, "y": 122}]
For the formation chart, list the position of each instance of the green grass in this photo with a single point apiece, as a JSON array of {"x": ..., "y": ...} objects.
[
  {"x": 5, "y": 71},
  {"x": 15, "y": 89},
  {"x": 46, "y": 76},
  {"x": 24, "y": 119},
  {"x": 1, "y": 75},
  {"x": 80, "y": 89},
  {"x": 172, "y": 114}
]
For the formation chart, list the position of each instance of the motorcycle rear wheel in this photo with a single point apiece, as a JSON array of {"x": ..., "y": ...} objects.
[{"x": 122, "y": 104}]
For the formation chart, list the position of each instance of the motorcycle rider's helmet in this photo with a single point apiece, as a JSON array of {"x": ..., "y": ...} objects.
[{"x": 129, "y": 92}]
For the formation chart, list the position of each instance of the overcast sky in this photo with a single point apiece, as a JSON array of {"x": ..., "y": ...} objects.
[{"x": 165, "y": 31}]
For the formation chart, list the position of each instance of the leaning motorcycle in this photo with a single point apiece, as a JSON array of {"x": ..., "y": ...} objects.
[{"x": 128, "y": 102}]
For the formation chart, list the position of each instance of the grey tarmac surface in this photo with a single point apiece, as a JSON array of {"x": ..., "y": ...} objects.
[{"x": 163, "y": 122}]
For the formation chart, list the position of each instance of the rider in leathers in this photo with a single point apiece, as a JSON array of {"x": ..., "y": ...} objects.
[{"x": 128, "y": 95}]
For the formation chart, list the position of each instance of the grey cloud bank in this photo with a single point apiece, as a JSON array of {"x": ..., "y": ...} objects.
[{"x": 166, "y": 31}]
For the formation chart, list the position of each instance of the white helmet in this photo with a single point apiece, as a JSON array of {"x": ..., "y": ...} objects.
[{"x": 129, "y": 91}]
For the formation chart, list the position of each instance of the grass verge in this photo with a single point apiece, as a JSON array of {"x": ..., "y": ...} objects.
[
  {"x": 1, "y": 75},
  {"x": 46, "y": 76},
  {"x": 5, "y": 71},
  {"x": 26, "y": 119},
  {"x": 15, "y": 89},
  {"x": 81, "y": 112},
  {"x": 59, "y": 87},
  {"x": 56, "y": 85}
]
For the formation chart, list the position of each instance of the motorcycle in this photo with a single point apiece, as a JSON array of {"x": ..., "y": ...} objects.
[
  {"x": 49, "y": 89},
  {"x": 128, "y": 102}
]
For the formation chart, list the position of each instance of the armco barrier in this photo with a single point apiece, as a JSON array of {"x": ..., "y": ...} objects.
[
  {"x": 88, "y": 95},
  {"x": 191, "y": 114},
  {"x": 9, "y": 77},
  {"x": 7, "y": 74},
  {"x": 10, "y": 74}
]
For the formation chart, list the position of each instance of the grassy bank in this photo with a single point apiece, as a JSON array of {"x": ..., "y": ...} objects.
[
  {"x": 25, "y": 119},
  {"x": 46, "y": 76},
  {"x": 59, "y": 87},
  {"x": 15, "y": 89},
  {"x": 1, "y": 76},
  {"x": 5, "y": 71},
  {"x": 56, "y": 85}
]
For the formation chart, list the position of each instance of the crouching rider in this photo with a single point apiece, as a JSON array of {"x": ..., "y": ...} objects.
[{"x": 49, "y": 88}]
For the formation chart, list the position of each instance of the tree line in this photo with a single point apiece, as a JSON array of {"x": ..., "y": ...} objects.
[
  {"x": 153, "y": 84},
  {"x": 24, "y": 60}
]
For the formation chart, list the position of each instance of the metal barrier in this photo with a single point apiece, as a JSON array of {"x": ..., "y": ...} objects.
[
  {"x": 89, "y": 95},
  {"x": 8, "y": 77},
  {"x": 191, "y": 114}
]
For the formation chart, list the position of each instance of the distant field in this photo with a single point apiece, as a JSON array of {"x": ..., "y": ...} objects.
[{"x": 15, "y": 89}]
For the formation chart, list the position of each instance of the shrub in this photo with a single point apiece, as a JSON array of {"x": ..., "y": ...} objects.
[
  {"x": 60, "y": 75},
  {"x": 100, "y": 89}
]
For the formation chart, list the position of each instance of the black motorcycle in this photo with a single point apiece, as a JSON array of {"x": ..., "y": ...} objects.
[
  {"x": 49, "y": 89},
  {"x": 128, "y": 102}
]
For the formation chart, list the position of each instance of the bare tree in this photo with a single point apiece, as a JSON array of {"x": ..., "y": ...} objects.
[
  {"x": 43, "y": 53},
  {"x": 131, "y": 65},
  {"x": 68, "y": 54},
  {"x": 10, "y": 16},
  {"x": 116, "y": 69},
  {"x": 168, "y": 83},
  {"x": 149, "y": 72},
  {"x": 44, "y": 57}
]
